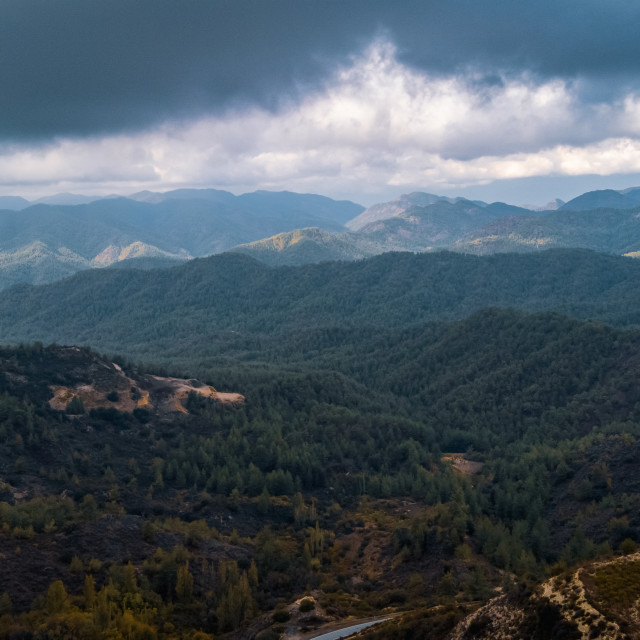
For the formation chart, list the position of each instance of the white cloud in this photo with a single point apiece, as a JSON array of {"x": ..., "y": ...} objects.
[{"x": 378, "y": 125}]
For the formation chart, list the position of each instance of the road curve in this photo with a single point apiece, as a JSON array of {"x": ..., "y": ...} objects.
[{"x": 347, "y": 631}]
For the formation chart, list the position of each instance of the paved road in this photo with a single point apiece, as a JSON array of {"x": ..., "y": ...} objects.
[{"x": 348, "y": 631}]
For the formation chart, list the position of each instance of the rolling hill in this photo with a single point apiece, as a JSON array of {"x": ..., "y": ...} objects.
[
  {"x": 37, "y": 263},
  {"x": 222, "y": 303}
]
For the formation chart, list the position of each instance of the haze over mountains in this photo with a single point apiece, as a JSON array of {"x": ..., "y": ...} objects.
[
  {"x": 62, "y": 234},
  {"x": 599, "y": 220},
  {"x": 43, "y": 242}
]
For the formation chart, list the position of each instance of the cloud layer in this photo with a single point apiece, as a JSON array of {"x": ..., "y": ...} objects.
[
  {"x": 343, "y": 98},
  {"x": 377, "y": 122},
  {"x": 80, "y": 67}
]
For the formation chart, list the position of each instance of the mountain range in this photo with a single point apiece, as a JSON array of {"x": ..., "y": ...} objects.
[
  {"x": 424, "y": 222},
  {"x": 67, "y": 233},
  {"x": 182, "y": 224}
]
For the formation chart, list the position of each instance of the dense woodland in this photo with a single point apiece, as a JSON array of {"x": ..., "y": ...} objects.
[
  {"x": 333, "y": 479},
  {"x": 228, "y": 303}
]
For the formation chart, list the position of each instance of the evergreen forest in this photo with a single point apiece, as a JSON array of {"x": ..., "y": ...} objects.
[{"x": 411, "y": 435}]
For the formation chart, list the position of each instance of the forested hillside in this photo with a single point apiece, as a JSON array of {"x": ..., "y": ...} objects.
[
  {"x": 222, "y": 303},
  {"x": 235, "y": 409},
  {"x": 365, "y": 434},
  {"x": 332, "y": 476}
]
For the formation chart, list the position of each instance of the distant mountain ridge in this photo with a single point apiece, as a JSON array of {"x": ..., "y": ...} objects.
[
  {"x": 437, "y": 225},
  {"x": 310, "y": 245},
  {"x": 396, "y": 207},
  {"x": 285, "y": 228},
  {"x": 13, "y": 203},
  {"x": 177, "y": 225},
  {"x": 604, "y": 199},
  {"x": 66, "y": 199},
  {"x": 608, "y": 230},
  {"x": 425, "y": 222},
  {"x": 552, "y": 205}
]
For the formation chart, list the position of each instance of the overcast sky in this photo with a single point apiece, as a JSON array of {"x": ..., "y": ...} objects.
[{"x": 361, "y": 99}]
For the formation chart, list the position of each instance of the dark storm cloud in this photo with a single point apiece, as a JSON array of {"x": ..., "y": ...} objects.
[{"x": 77, "y": 67}]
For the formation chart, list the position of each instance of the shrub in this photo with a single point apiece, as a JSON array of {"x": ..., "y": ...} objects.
[
  {"x": 627, "y": 546},
  {"x": 75, "y": 406},
  {"x": 307, "y": 604},
  {"x": 75, "y": 566},
  {"x": 282, "y": 615},
  {"x": 141, "y": 415}
]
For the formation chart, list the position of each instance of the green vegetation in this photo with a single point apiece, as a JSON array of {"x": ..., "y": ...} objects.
[
  {"x": 331, "y": 477},
  {"x": 618, "y": 585},
  {"x": 335, "y": 433},
  {"x": 306, "y": 605},
  {"x": 232, "y": 306}
]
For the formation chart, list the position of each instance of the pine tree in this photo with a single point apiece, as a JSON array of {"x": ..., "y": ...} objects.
[
  {"x": 75, "y": 406},
  {"x": 56, "y": 599},
  {"x": 89, "y": 592},
  {"x": 184, "y": 584},
  {"x": 129, "y": 582},
  {"x": 263, "y": 502},
  {"x": 5, "y": 603},
  {"x": 253, "y": 574}
]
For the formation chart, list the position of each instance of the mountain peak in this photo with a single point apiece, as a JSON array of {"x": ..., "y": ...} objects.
[{"x": 601, "y": 199}]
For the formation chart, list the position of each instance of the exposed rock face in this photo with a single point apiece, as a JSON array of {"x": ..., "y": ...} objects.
[
  {"x": 103, "y": 385},
  {"x": 599, "y": 600}
]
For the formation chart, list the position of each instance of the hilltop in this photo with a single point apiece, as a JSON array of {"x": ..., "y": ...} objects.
[{"x": 307, "y": 246}]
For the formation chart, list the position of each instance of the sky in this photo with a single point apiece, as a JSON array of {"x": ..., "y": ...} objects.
[{"x": 358, "y": 99}]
